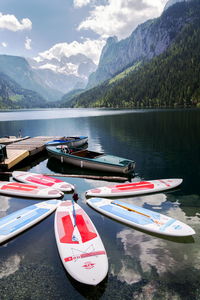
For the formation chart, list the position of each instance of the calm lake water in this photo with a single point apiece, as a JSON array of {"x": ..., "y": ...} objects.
[{"x": 164, "y": 144}]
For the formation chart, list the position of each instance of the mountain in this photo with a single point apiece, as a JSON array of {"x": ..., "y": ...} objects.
[
  {"x": 148, "y": 40},
  {"x": 172, "y": 2},
  {"x": 13, "y": 96},
  {"x": 64, "y": 74},
  {"x": 51, "y": 78},
  {"x": 68, "y": 97},
  {"x": 58, "y": 81},
  {"x": 167, "y": 80},
  {"x": 18, "y": 69}
]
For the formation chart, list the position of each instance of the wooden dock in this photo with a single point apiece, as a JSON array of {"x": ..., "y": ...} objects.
[{"x": 18, "y": 151}]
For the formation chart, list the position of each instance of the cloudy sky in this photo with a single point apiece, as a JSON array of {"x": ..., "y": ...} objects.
[{"x": 51, "y": 28}]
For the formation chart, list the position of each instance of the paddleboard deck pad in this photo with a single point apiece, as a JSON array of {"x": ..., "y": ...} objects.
[
  {"x": 141, "y": 218},
  {"x": 42, "y": 180},
  {"x": 20, "y": 220},
  {"x": 135, "y": 188},
  {"x": 28, "y": 190},
  {"x": 80, "y": 247}
]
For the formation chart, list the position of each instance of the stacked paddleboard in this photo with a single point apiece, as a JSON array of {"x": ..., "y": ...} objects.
[
  {"x": 134, "y": 188},
  {"x": 28, "y": 190},
  {"x": 17, "y": 222},
  {"x": 80, "y": 247},
  {"x": 42, "y": 180},
  {"x": 141, "y": 218},
  {"x": 133, "y": 215}
]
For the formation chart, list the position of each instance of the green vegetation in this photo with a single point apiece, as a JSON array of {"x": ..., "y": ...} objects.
[
  {"x": 13, "y": 96},
  {"x": 169, "y": 80},
  {"x": 124, "y": 73},
  {"x": 67, "y": 97}
]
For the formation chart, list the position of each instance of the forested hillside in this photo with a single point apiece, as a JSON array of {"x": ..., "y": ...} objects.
[
  {"x": 13, "y": 96},
  {"x": 171, "y": 79}
]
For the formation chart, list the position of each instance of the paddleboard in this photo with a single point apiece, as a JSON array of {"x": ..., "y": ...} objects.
[
  {"x": 80, "y": 247},
  {"x": 39, "y": 179},
  {"x": 141, "y": 218},
  {"x": 134, "y": 188},
  {"x": 20, "y": 220},
  {"x": 28, "y": 190}
]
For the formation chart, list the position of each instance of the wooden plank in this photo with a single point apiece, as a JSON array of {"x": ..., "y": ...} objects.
[
  {"x": 12, "y": 139},
  {"x": 35, "y": 142},
  {"x": 36, "y": 150},
  {"x": 14, "y": 157},
  {"x": 25, "y": 147},
  {"x": 16, "y": 152}
]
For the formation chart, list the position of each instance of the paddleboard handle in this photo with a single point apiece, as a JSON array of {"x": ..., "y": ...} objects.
[
  {"x": 74, "y": 213},
  {"x": 75, "y": 197}
]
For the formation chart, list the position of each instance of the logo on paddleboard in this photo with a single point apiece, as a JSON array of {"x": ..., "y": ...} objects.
[{"x": 88, "y": 265}]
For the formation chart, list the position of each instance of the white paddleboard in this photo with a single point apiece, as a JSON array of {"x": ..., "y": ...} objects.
[
  {"x": 141, "y": 218},
  {"x": 18, "y": 221},
  {"x": 80, "y": 247},
  {"x": 28, "y": 190},
  {"x": 39, "y": 179},
  {"x": 134, "y": 188}
]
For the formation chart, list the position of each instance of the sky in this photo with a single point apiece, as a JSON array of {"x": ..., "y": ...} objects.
[{"x": 52, "y": 28}]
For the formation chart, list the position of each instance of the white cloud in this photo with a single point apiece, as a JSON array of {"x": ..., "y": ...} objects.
[
  {"x": 126, "y": 274},
  {"x": 28, "y": 43},
  {"x": 151, "y": 251},
  {"x": 120, "y": 17},
  {"x": 159, "y": 254},
  {"x": 80, "y": 3},
  {"x": 9, "y": 266},
  {"x": 10, "y": 22},
  {"x": 3, "y": 44},
  {"x": 67, "y": 69},
  {"x": 90, "y": 48},
  {"x": 4, "y": 205}
]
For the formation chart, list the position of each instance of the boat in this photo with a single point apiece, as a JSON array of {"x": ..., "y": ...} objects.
[
  {"x": 79, "y": 244},
  {"x": 134, "y": 188},
  {"x": 12, "y": 139},
  {"x": 28, "y": 190},
  {"x": 20, "y": 220},
  {"x": 141, "y": 218},
  {"x": 42, "y": 180},
  {"x": 70, "y": 141},
  {"x": 92, "y": 160}
]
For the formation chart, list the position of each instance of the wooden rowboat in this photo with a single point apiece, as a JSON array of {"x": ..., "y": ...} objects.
[{"x": 92, "y": 160}]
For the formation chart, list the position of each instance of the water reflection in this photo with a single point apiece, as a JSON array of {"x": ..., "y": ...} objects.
[
  {"x": 164, "y": 144},
  {"x": 57, "y": 113},
  {"x": 4, "y": 205},
  {"x": 9, "y": 266},
  {"x": 144, "y": 252},
  {"x": 91, "y": 292}
]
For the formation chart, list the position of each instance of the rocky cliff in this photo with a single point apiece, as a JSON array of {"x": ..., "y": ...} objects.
[{"x": 148, "y": 40}]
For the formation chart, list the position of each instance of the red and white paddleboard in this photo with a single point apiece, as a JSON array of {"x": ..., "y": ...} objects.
[
  {"x": 135, "y": 188},
  {"x": 80, "y": 247},
  {"x": 28, "y": 190},
  {"x": 42, "y": 180}
]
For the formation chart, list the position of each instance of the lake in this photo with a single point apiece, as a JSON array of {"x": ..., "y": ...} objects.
[{"x": 164, "y": 144}]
